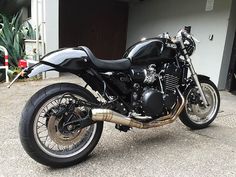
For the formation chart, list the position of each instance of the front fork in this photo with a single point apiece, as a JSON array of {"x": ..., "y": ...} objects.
[
  {"x": 196, "y": 80},
  {"x": 193, "y": 73}
]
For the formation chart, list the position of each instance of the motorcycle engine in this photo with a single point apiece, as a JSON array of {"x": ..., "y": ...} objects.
[
  {"x": 154, "y": 92},
  {"x": 146, "y": 75},
  {"x": 152, "y": 102}
]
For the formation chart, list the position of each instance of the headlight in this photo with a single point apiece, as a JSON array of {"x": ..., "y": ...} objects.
[{"x": 190, "y": 45}]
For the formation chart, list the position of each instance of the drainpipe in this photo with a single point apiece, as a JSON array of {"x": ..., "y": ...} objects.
[
  {"x": 43, "y": 32},
  {"x": 37, "y": 31},
  {"x": 43, "y": 27}
]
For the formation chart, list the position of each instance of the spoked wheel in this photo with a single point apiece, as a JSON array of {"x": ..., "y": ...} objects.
[
  {"x": 47, "y": 131},
  {"x": 196, "y": 115}
]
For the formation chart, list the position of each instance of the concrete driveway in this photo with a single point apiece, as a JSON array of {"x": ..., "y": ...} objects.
[{"x": 172, "y": 150}]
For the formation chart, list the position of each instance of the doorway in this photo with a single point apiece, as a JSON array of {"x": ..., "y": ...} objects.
[
  {"x": 99, "y": 25},
  {"x": 231, "y": 81}
]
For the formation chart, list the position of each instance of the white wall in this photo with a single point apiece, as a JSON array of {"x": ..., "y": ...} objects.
[
  {"x": 48, "y": 13},
  {"x": 152, "y": 17},
  {"x": 51, "y": 30},
  {"x": 52, "y": 25}
]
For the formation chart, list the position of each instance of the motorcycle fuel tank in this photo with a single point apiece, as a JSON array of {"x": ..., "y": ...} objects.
[{"x": 152, "y": 50}]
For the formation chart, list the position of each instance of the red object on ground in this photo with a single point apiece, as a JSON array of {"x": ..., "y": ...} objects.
[
  {"x": 22, "y": 63},
  {"x": 6, "y": 60}
]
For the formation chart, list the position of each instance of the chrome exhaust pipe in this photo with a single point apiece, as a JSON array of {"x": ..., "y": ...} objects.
[{"x": 108, "y": 115}]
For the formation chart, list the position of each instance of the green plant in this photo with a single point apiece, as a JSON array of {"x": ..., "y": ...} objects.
[
  {"x": 28, "y": 31},
  {"x": 12, "y": 37}
]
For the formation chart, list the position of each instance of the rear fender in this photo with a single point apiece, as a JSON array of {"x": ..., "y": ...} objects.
[
  {"x": 73, "y": 60},
  {"x": 37, "y": 69}
]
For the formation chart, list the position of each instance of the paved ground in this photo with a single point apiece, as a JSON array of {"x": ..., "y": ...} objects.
[{"x": 172, "y": 150}]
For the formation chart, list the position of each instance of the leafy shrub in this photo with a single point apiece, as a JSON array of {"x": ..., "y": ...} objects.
[{"x": 12, "y": 35}]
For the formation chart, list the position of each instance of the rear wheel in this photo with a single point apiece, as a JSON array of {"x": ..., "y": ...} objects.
[
  {"x": 196, "y": 115},
  {"x": 47, "y": 138}
]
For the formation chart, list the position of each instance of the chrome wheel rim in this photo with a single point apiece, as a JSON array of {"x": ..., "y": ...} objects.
[
  {"x": 198, "y": 113},
  {"x": 51, "y": 141}
]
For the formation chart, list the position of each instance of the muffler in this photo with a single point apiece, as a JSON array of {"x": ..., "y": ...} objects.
[{"x": 108, "y": 115}]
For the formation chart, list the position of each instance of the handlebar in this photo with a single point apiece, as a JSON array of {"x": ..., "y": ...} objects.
[
  {"x": 188, "y": 29},
  {"x": 184, "y": 33}
]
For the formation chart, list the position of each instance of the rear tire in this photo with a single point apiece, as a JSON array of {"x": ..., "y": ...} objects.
[
  {"x": 195, "y": 116},
  {"x": 32, "y": 142}
]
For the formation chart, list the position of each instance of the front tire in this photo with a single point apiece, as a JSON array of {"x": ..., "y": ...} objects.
[
  {"x": 40, "y": 135},
  {"x": 195, "y": 115}
]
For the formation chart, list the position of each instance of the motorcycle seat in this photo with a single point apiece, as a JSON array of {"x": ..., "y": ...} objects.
[{"x": 107, "y": 65}]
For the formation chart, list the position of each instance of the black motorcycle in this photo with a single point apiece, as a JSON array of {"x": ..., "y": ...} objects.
[{"x": 153, "y": 85}]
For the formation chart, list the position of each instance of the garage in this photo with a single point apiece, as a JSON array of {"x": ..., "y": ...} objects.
[{"x": 99, "y": 25}]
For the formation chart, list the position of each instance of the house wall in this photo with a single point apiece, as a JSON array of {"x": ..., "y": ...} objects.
[
  {"x": 48, "y": 16},
  {"x": 52, "y": 25},
  {"x": 51, "y": 30},
  {"x": 48, "y": 12},
  {"x": 152, "y": 17},
  {"x": 228, "y": 46}
]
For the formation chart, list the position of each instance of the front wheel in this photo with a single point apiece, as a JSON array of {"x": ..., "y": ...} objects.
[
  {"x": 195, "y": 114},
  {"x": 49, "y": 139}
]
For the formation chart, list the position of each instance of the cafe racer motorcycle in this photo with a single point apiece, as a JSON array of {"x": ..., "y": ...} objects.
[{"x": 153, "y": 85}]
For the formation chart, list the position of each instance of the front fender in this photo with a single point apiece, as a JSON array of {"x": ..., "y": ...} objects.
[
  {"x": 202, "y": 77},
  {"x": 190, "y": 82}
]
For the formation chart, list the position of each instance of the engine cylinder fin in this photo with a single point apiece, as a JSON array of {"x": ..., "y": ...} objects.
[{"x": 171, "y": 82}]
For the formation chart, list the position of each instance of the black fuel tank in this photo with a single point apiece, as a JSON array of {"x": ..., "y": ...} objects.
[{"x": 153, "y": 50}]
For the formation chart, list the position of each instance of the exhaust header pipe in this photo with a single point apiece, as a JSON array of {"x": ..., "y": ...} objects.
[{"x": 108, "y": 115}]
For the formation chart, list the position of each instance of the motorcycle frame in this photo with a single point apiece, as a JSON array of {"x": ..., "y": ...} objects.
[
  {"x": 70, "y": 57},
  {"x": 96, "y": 82}
]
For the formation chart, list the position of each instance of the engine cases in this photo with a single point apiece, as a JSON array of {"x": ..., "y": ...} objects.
[
  {"x": 158, "y": 96},
  {"x": 152, "y": 102}
]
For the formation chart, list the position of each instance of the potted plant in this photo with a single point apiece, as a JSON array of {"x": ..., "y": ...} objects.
[
  {"x": 12, "y": 38},
  {"x": 16, "y": 37},
  {"x": 30, "y": 41}
]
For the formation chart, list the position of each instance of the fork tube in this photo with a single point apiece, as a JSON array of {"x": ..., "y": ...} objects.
[
  {"x": 193, "y": 73},
  {"x": 195, "y": 78}
]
